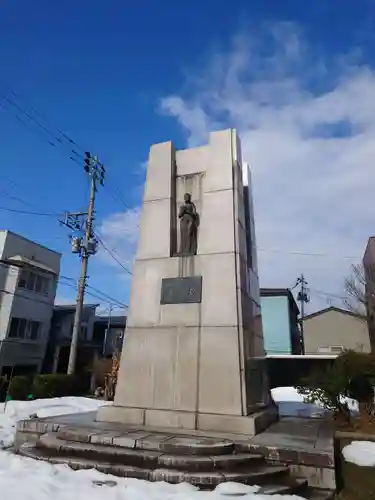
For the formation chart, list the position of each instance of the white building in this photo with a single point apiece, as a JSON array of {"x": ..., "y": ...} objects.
[{"x": 28, "y": 280}]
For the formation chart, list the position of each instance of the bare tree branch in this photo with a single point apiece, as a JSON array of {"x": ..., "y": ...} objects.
[{"x": 355, "y": 288}]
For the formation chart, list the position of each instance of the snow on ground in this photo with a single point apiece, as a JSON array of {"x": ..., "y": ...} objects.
[
  {"x": 283, "y": 394},
  {"x": 13, "y": 411},
  {"x": 22, "y": 478},
  {"x": 290, "y": 395},
  {"x": 360, "y": 453}
]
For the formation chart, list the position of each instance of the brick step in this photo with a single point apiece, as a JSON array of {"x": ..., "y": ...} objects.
[
  {"x": 263, "y": 475},
  {"x": 151, "y": 441},
  {"x": 287, "y": 455},
  {"x": 288, "y": 487},
  {"x": 316, "y": 494},
  {"x": 145, "y": 458}
]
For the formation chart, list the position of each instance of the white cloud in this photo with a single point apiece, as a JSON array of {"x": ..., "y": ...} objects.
[
  {"x": 62, "y": 300},
  {"x": 307, "y": 126},
  {"x": 119, "y": 233}
]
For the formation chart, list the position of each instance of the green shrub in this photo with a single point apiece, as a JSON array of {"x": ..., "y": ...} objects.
[
  {"x": 3, "y": 388},
  {"x": 351, "y": 375},
  {"x": 325, "y": 387},
  {"x": 56, "y": 386},
  {"x": 20, "y": 387}
]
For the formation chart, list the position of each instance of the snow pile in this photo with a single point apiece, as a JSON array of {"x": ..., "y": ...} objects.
[
  {"x": 283, "y": 394},
  {"x": 236, "y": 489},
  {"x": 360, "y": 453},
  {"x": 290, "y": 394},
  {"x": 26, "y": 479},
  {"x": 13, "y": 411}
]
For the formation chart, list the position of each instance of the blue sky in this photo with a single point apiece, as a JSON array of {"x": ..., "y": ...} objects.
[{"x": 296, "y": 78}]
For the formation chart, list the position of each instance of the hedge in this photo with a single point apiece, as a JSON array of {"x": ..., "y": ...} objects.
[
  {"x": 56, "y": 385},
  {"x": 42, "y": 386},
  {"x": 3, "y": 388},
  {"x": 20, "y": 387}
]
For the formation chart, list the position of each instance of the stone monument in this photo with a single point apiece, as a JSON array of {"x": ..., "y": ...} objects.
[{"x": 193, "y": 354}]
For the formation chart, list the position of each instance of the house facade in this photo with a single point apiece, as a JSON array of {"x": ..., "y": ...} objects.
[
  {"x": 60, "y": 337},
  {"x": 109, "y": 332},
  {"x": 280, "y": 322},
  {"x": 28, "y": 281},
  {"x": 333, "y": 330}
]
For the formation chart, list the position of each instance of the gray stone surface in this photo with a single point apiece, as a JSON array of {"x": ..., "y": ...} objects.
[{"x": 303, "y": 440}]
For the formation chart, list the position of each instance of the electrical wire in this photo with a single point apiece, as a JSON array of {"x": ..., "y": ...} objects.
[
  {"x": 111, "y": 299},
  {"x": 110, "y": 252},
  {"x": 307, "y": 254},
  {"x": 58, "y": 140},
  {"x": 27, "y": 212},
  {"x": 105, "y": 295},
  {"x": 105, "y": 298},
  {"x": 45, "y": 302}
]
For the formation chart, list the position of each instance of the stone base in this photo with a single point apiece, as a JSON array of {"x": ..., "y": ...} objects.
[{"x": 250, "y": 425}]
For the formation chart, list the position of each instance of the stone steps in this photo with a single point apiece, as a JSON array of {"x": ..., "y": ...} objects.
[
  {"x": 273, "y": 480},
  {"x": 151, "y": 441},
  {"x": 146, "y": 458},
  {"x": 271, "y": 477},
  {"x": 157, "y": 456}
]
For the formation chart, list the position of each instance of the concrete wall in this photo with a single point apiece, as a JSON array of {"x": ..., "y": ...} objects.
[
  {"x": 335, "y": 328},
  {"x": 276, "y": 325}
]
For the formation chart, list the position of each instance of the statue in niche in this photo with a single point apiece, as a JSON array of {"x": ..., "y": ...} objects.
[{"x": 189, "y": 222}]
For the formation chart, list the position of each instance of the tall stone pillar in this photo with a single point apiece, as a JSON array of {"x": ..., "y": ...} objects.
[{"x": 193, "y": 353}]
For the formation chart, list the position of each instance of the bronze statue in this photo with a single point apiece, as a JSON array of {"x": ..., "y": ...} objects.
[{"x": 189, "y": 221}]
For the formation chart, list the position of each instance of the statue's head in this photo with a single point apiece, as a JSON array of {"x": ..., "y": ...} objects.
[{"x": 187, "y": 198}]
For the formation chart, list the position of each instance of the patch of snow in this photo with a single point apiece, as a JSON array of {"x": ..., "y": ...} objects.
[
  {"x": 290, "y": 395},
  {"x": 26, "y": 479},
  {"x": 13, "y": 411},
  {"x": 283, "y": 394},
  {"x": 360, "y": 453},
  {"x": 235, "y": 489}
]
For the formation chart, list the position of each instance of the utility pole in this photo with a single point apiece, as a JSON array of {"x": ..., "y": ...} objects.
[
  {"x": 110, "y": 309},
  {"x": 85, "y": 246},
  {"x": 303, "y": 298}
]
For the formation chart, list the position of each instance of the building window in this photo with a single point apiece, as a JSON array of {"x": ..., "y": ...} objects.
[
  {"x": 29, "y": 280},
  {"x": 33, "y": 331},
  {"x": 324, "y": 349},
  {"x": 337, "y": 349},
  {"x": 83, "y": 333},
  {"x": 25, "y": 329},
  {"x": 330, "y": 349}
]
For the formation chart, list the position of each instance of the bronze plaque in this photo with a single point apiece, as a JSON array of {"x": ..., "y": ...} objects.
[{"x": 181, "y": 290}]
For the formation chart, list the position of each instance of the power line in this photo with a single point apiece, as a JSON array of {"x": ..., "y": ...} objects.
[
  {"x": 15, "y": 267},
  {"x": 105, "y": 295},
  {"x": 103, "y": 299},
  {"x": 307, "y": 254},
  {"x": 30, "y": 117},
  {"x": 62, "y": 133},
  {"x": 17, "y": 198},
  {"x": 327, "y": 294},
  {"x": 27, "y": 212},
  {"x": 62, "y": 139},
  {"x": 45, "y": 302},
  {"x": 110, "y": 252}
]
